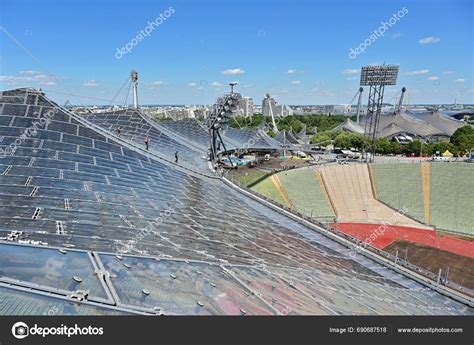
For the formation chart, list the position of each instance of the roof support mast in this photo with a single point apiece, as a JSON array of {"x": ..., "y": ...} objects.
[
  {"x": 134, "y": 76},
  {"x": 359, "y": 103},
  {"x": 400, "y": 102}
]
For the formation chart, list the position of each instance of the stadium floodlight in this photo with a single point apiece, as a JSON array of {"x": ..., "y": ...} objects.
[
  {"x": 219, "y": 119},
  {"x": 376, "y": 77},
  {"x": 379, "y": 75}
]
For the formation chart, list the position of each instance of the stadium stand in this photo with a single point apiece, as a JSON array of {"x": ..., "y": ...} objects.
[
  {"x": 452, "y": 197},
  {"x": 267, "y": 188},
  {"x": 441, "y": 192},
  {"x": 304, "y": 191},
  {"x": 400, "y": 186},
  {"x": 350, "y": 189}
]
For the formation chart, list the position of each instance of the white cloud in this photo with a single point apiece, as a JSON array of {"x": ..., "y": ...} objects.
[
  {"x": 294, "y": 71},
  {"x": 296, "y": 82},
  {"x": 48, "y": 83},
  {"x": 216, "y": 84},
  {"x": 31, "y": 78},
  {"x": 350, "y": 71},
  {"x": 419, "y": 72},
  {"x": 157, "y": 83},
  {"x": 192, "y": 84},
  {"x": 396, "y": 35},
  {"x": 433, "y": 78},
  {"x": 29, "y": 72},
  {"x": 429, "y": 40},
  {"x": 460, "y": 80},
  {"x": 41, "y": 77},
  {"x": 14, "y": 79},
  {"x": 448, "y": 72},
  {"x": 352, "y": 78},
  {"x": 90, "y": 83},
  {"x": 234, "y": 71}
]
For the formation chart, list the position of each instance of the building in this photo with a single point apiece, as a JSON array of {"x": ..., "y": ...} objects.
[
  {"x": 246, "y": 106},
  {"x": 270, "y": 107}
]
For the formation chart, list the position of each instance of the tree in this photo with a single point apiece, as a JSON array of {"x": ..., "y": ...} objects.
[
  {"x": 395, "y": 148},
  {"x": 463, "y": 139},
  {"x": 413, "y": 147},
  {"x": 343, "y": 140},
  {"x": 382, "y": 146},
  {"x": 348, "y": 140},
  {"x": 322, "y": 138}
]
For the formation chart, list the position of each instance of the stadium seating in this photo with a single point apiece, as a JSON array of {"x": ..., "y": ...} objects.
[
  {"x": 267, "y": 188},
  {"x": 400, "y": 186},
  {"x": 451, "y": 193},
  {"x": 304, "y": 191},
  {"x": 350, "y": 189},
  {"x": 452, "y": 197}
]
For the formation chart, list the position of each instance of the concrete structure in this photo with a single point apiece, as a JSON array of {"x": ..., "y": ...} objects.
[{"x": 270, "y": 107}]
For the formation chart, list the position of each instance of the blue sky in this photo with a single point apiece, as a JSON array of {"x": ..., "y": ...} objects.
[{"x": 296, "y": 50}]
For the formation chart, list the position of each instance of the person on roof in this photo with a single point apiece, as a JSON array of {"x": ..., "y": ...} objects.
[
  {"x": 146, "y": 142},
  {"x": 119, "y": 131},
  {"x": 176, "y": 157}
]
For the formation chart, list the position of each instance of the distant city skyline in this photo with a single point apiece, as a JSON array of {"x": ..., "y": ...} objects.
[{"x": 187, "y": 52}]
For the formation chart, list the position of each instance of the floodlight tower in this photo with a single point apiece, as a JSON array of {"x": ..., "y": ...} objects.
[
  {"x": 219, "y": 119},
  {"x": 376, "y": 77},
  {"x": 400, "y": 102},
  {"x": 359, "y": 103},
  {"x": 134, "y": 77}
]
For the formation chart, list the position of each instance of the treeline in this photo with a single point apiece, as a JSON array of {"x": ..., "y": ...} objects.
[
  {"x": 295, "y": 122},
  {"x": 460, "y": 143}
]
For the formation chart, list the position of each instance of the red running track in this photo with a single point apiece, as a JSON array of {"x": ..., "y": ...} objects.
[{"x": 380, "y": 236}]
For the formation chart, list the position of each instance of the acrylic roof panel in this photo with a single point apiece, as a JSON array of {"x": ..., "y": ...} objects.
[
  {"x": 190, "y": 129},
  {"x": 248, "y": 138},
  {"x": 92, "y": 191},
  {"x": 134, "y": 126},
  {"x": 445, "y": 124},
  {"x": 397, "y": 122},
  {"x": 351, "y": 126}
]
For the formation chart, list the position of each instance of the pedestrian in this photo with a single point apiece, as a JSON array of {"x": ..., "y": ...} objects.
[
  {"x": 176, "y": 157},
  {"x": 146, "y": 142},
  {"x": 119, "y": 131}
]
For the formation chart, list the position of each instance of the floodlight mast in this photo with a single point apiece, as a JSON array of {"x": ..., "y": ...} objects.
[{"x": 376, "y": 77}]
